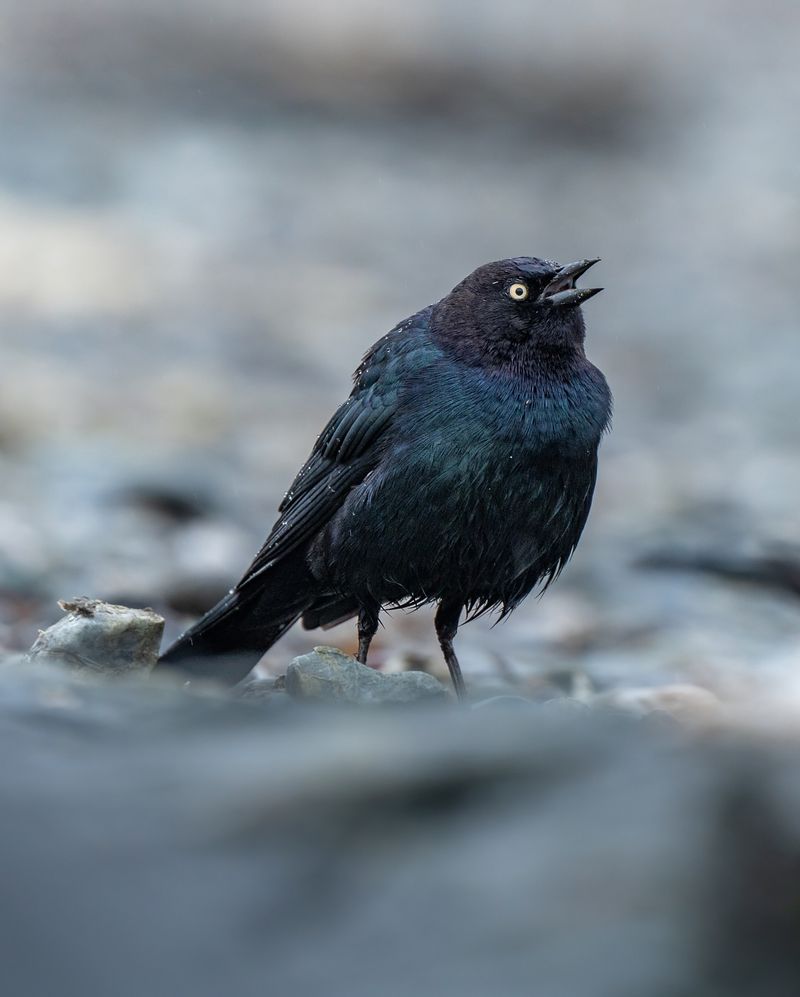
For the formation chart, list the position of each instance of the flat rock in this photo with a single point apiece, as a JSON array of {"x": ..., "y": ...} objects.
[
  {"x": 99, "y": 637},
  {"x": 328, "y": 674}
]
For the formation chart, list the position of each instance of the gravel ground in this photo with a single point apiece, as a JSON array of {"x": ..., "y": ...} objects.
[{"x": 207, "y": 216}]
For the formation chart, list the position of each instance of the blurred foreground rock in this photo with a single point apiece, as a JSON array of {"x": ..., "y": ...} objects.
[
  {"x": 510, "y": 853},
  {"x": 329, "y": 675},
  {"x": 101, "y": 637}
]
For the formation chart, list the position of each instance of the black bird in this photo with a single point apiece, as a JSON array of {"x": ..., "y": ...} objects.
[{"x": 459, "y": 471}]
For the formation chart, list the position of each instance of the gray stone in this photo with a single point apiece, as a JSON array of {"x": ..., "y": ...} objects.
[
  {"x": 266, "y": 694},
  {"x": 258, "y": 690},
  {"x": 330, "y": 675},
  {"x": 566, "y": 706},
  {"x": 100, "y": 637},
  {"x": 503, "y": 702},
  {"x": 688, "y": 705}
]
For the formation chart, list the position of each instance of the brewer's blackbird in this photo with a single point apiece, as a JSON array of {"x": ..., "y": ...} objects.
[{"x": 459, "y": 471}]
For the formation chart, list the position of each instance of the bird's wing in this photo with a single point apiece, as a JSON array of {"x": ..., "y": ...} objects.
[
  {"x": 577, "y": 502},
  {"x": 345, "y": 452}
]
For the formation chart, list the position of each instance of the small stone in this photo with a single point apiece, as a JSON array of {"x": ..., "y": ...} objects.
[
  {"x": 504, "y": 702},
  {"x": 687, "y": 704},
  {"x": 329, "y": 674},
  {"x": 566, "y": 706},
  {"x": 99, "y": 637},
  {"x": 261, "y": 691}
]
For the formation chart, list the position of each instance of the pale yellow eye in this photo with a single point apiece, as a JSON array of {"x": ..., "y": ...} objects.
[{"x": 518, "y": 291}]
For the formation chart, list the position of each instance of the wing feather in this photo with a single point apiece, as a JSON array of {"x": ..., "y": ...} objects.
[{"x": 346, "y": 451}]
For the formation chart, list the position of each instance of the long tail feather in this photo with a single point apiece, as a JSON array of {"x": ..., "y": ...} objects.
[{"x": 228, "y": 641}]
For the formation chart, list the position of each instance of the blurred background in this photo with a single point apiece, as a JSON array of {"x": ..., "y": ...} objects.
[{"x": 208, "y": 212}]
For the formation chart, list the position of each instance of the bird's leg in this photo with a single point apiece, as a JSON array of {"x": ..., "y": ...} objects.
[
  {"x": 446, "y": 624},
  {"x": 368, "y": 617}
]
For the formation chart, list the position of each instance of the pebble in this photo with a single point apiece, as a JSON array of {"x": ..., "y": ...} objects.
[
  {"x": 327, "y": 674},
  {"x": 687, "y": 704},
  {"x": 100, "y": 637}
]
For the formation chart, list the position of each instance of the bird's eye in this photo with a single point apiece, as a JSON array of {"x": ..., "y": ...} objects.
[{"x": 518, "y": 291}]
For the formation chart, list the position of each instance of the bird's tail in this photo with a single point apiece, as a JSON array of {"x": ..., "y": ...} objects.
[{"x": 228, "y": 641}]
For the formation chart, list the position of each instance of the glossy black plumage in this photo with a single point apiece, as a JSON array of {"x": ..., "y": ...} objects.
[{"x": 459, "y": 471}]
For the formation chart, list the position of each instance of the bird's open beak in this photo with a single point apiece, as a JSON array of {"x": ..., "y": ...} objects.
[{"x": 562, "y": 291}]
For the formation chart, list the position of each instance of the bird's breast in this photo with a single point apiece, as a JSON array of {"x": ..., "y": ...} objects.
[
  {"x": 562, "y": 413},
  {"x": 480, "y": 479}
]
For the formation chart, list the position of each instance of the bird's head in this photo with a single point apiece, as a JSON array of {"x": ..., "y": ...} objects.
[{"x": 521, "y": 304}]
